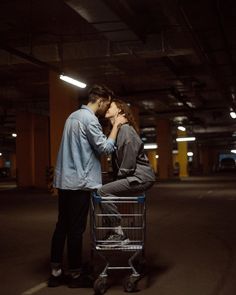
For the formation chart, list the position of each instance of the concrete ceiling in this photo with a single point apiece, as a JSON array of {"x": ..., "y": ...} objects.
[{"x": 174, "y": 59}]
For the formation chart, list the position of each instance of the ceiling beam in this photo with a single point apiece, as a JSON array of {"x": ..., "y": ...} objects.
[{"x": 28, "y": 58}]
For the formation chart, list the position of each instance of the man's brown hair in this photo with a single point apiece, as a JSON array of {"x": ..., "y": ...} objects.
[{"x": 100, "y": 92}]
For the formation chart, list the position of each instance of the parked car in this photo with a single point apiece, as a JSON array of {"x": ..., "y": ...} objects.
[
  {"x": 227, "y": 164},
  {"x": 4, "y": 172}
]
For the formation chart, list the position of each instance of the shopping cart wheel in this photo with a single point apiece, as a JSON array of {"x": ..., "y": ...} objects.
[
  {"x": 100, "y": 286},
  {"x": 130, "y": 284}
]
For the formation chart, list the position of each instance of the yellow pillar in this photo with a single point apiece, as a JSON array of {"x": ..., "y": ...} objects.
[
  {"x": 164, "y": 142},
  {"x": 182, "y": 155},
  {"x": 152, "y": 159},
  {"x": 63, "y": 101}
]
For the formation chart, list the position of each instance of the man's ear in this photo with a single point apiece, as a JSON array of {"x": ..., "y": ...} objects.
[{"x": 99, "y": 101}]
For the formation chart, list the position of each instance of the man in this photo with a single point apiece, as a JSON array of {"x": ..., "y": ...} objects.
[{"x": 77, "y": 173}]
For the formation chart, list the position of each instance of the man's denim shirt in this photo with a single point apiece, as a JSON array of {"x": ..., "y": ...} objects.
[{"x": 78, "y": 162}]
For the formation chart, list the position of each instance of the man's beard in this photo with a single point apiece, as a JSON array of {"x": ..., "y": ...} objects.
[{"x": 101, "y": 112}]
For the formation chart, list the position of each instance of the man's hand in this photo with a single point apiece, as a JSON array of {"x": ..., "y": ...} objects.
[{"x": 120, "y": 120}]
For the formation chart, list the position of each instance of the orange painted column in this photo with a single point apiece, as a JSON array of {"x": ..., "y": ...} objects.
[
  {"x": 2, "y": 162},
  {"x": 25, "y": 149},
  {"x": 41, "y": 150},
  {"x": 164, "y": 151},
  {"x": 63, "y": 99},
  {"x": 32, "y": 153},
  {"x": 13, "y": 164}
]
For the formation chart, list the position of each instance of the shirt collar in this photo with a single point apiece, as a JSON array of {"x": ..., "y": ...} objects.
[{"x": 87, "y": 108}]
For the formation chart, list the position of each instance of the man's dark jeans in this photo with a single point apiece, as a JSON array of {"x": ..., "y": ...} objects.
[{"x": 73, "y": 206}]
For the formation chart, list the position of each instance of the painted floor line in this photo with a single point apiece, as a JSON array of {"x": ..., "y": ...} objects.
[{"x": 35, "y": 289}]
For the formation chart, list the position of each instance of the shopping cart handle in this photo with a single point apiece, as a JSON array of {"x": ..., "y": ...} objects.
[{"x": 98, "y": 199}]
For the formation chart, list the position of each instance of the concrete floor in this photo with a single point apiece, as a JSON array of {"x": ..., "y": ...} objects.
[{"x": 191, "y": 240}]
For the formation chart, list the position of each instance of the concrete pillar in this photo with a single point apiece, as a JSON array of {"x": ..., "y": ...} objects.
[
  {"x": 24, "y": 149},
  {"x": 2, "y": 162},
  {"x": 13, "y": 164},
  {"x": 205, "y": 160},
  {"x": 164, "y": 142},
  {"x": 41, "y": 150},
  {"x": 196, "y": 167},
  {"x": 63, "y": 101},
  {"x": 32, "y": 152},
  {"x": 182, "y": 155},
  {"x": 208, "y": 158}
]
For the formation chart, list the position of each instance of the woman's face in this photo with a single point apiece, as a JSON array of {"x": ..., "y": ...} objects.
[{"x": 112, "y": 112}]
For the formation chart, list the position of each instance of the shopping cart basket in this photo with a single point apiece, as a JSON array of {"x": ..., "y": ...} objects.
[{"x": 132, "y": 211}]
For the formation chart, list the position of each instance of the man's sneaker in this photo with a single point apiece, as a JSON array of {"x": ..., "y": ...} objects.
[
  {"x": 116, "y": 240},
  {"x": 83, "y": 281},
  {"x": 54, "y": 281}
]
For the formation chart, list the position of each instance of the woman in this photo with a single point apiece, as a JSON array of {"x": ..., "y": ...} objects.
[{"x": 133, "y": 174}]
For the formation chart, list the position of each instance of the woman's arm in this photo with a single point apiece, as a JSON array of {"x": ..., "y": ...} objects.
[{"x": 128, "y": 144}]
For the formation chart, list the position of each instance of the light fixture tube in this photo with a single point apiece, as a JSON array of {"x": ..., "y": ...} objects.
[
  {"x": 150, "y": 146},
  {"x": 233, "y": 115},
  {"x": 73, "y": 81},
  {"x": 181, "y": 128},
  {"x": 179, "y": 139}
]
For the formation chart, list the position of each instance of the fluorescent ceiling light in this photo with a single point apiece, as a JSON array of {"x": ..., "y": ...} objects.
[
  {"x": 190, "y": 154},
  {"x": 182, "y": 128},
  {"x": 150, "y": 146},
  {"x": 233, "y": 151},
  {"x": 233, "y": 114},
  {"x": 179, "y": 139},
  {"x": 73, "y": 81}
]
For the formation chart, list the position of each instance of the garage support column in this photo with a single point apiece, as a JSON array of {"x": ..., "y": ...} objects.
[
  {"x": 164, "y": 142},
  {"x": 13, "y": 164},
  {"x": 25, "y": 149},
  {"x": 208, "y": 159},
  {"x": 152, "y": 159},
  {"x": 32, "y": 153},
  {"x": 182, "y": 155},
  {"x": 1, "y": 162},
  {"x": 63, "y": 101}
]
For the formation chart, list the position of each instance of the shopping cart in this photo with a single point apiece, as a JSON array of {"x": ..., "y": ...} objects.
[{"x": 132, "y": 211}]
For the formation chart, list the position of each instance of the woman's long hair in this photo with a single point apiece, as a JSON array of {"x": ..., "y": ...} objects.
[{"x": 126, "y": 110}]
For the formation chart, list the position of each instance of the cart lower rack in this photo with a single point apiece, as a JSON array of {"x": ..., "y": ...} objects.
[{"x": 131, "y": 213}]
